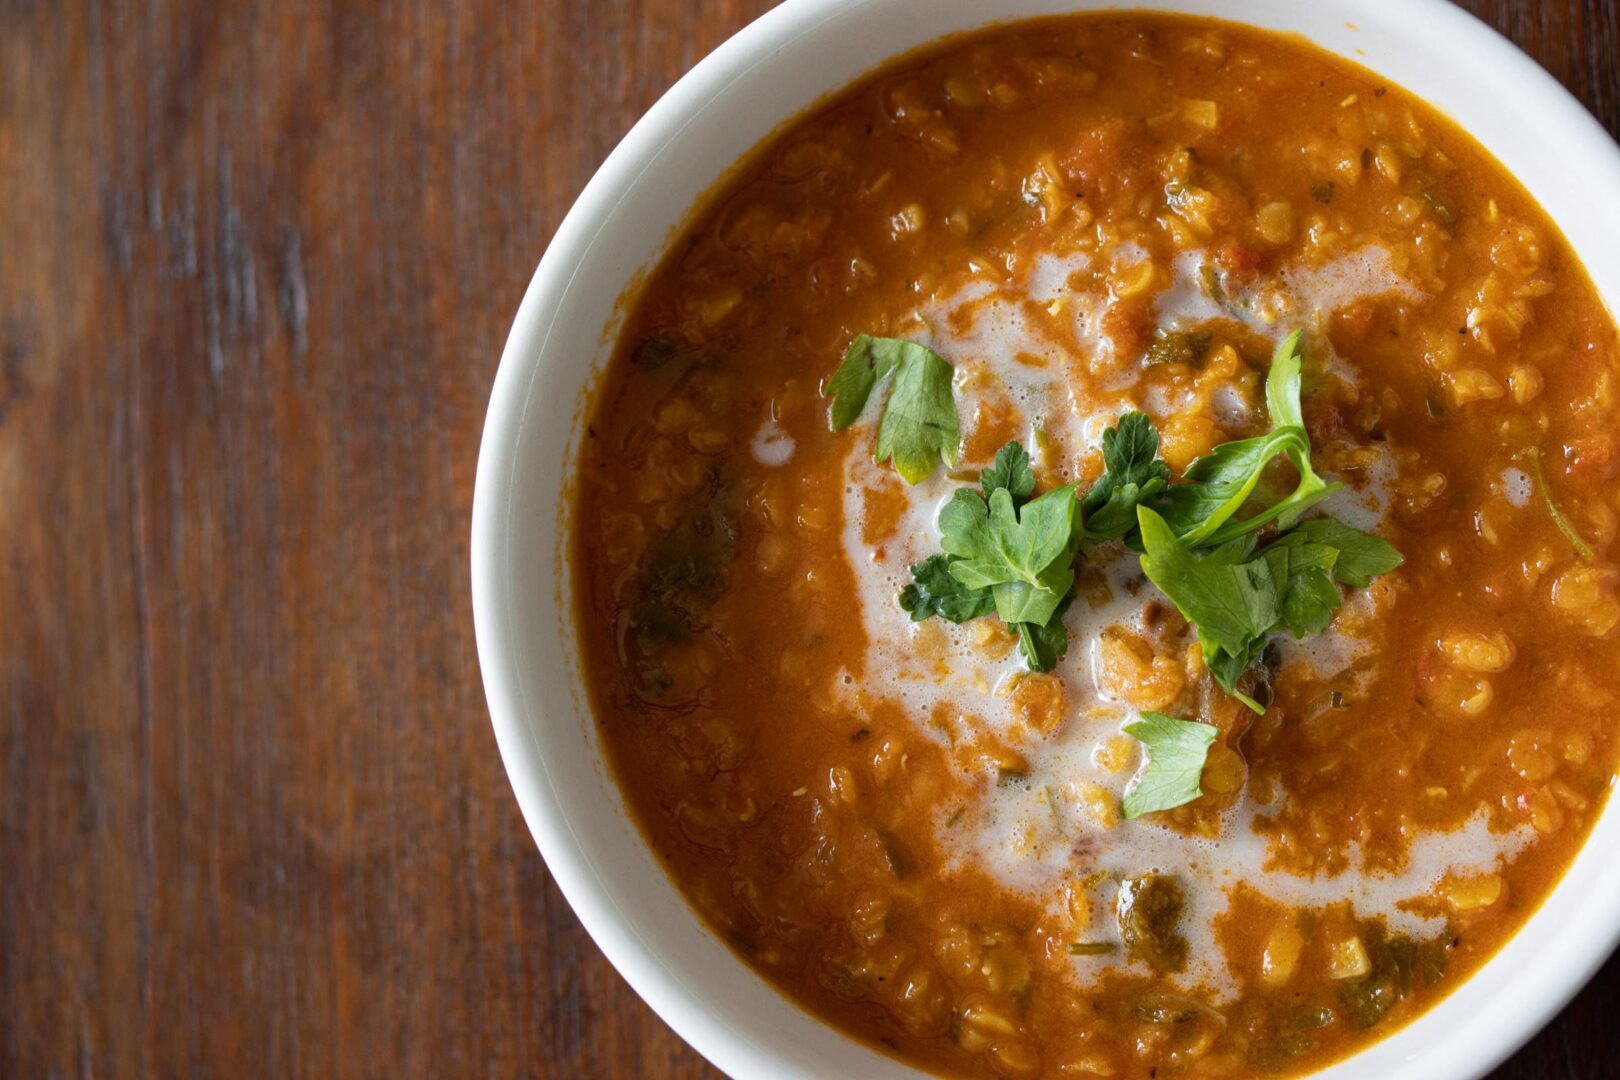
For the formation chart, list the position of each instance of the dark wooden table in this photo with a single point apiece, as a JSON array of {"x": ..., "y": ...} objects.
[{"x": 257, "y": 261}]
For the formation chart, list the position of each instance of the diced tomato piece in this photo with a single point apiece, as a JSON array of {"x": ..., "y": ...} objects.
[
  {"x": 1105, "y": 160},
  {"x": 1241, "y": 265},
  {"x": 1591, "y": 458},
  {"x": 1128, "y": 323}
]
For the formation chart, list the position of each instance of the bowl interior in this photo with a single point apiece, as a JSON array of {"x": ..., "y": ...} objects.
[{"x": 764, "y": 76}]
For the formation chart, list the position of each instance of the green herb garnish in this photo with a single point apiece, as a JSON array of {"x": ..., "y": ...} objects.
[
  {"x": 1210, "y": 278},
  {"x": 1184, "y": 347},
  {"x": 1132, "y": 472},
  {"x": 1092, "y": 948},
  {"x": 1010, "y": 552},
  {"x": 1042, "y": 645},
  {"x": 1218, "y": 484},
  {"x": 935, "y": 591},
  {"x": 1237, "y": 597},
  {"x": 900, "y": 863},
  {"x": 1398, "y": 965},
  {"x": 1024, "y": 555},
  {"x": 920, "y": 424},
  {"x": 1010, "y": 470},
  {"x": 1176, "y": 751},
  {"x": 1361, "y": 557},
  {"x": 1005, "y": 554},
  {"x": 1148, "y": 910},
  {"x": 1232, "y": 600},
  {"x": 1006, "y": 774},
  {"x": 1445, "y": 213}
]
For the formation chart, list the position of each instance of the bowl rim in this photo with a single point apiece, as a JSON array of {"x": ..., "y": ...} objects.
[{"x": 542, "y": 809}]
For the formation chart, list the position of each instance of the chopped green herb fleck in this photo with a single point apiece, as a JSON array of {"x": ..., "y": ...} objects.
[
  {"x": 1148, "y": 910},
  {"x": 1181, "y": 347},
  {"x": 1565, "y": 526},
  {"x": 1052, "y": 805},
  {"x": 899, "y": 862},
  {"x": 1445, "y": 213},
  {"x": 654, "y": 352},
  {"x": 1169, "y": 1007},
  {"x": 1092, "y": 948},
  {"x": 1211, "y": 280},
  {"x": 1287, "y": 1035}
]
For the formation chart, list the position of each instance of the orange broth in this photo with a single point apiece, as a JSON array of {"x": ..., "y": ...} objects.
[{"x": 919, "y": 841}]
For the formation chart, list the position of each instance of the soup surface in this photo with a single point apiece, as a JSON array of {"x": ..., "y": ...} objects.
[{"x": 1135, "y": 851}]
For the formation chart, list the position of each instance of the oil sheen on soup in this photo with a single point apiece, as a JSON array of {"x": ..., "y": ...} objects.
[{"x": 1194, "y": 653}]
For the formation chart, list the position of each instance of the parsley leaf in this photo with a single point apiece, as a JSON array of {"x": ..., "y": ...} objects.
[
  {"x": 1311, "y": 600},
  {"x": 920, "y": 423},
  {"x": 1233, "y": 600},
  {"x": 1361, "y": 556},
  {"x": 1283, "y": 384},
  {"x": 1230, "y": 597},
  {"x": 1043, "y": 645},
  {"x": 1322, "y": 552},
  {"x": 936, "y": 592},
  {"x": 866, "y": 361},
  {"x": 1176, "y": 751},
  {"x": 1004, "y": 553},
  {"x": 1024, "y": 577},
  {"x": 1026, "y": 556},
  {"x": 1020, "y": 602},
  {"x": 1229, "y": 668},
  {"x": 1132, "y": 472},
  {"x": 1218, "y": 484},
  {"x": 1238, "y": 598},
  {"x": 1010, "y": 470}
]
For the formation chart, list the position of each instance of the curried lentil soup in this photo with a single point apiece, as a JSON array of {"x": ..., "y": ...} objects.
[{"x": 1136, "y": 847}]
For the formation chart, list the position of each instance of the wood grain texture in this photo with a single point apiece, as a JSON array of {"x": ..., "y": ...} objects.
[{"x": 256, "y": 265}]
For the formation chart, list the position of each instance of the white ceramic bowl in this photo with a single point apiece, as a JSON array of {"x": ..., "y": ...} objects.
[{"x": 734, "y": 98}]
